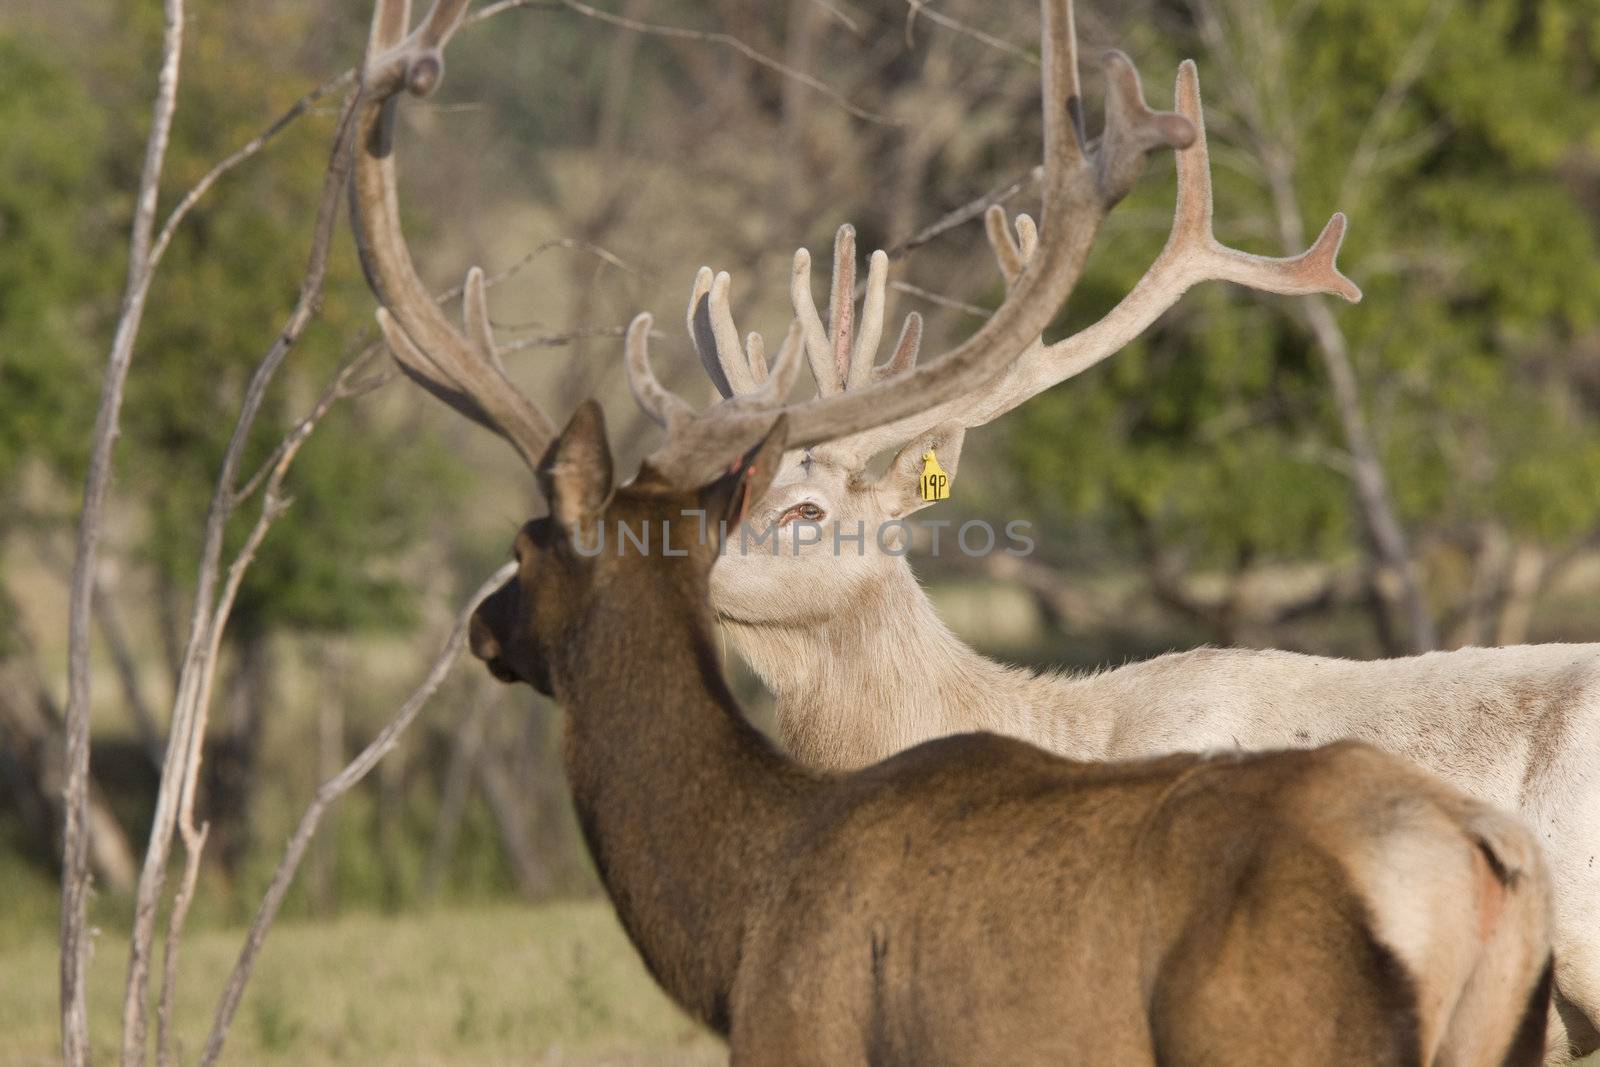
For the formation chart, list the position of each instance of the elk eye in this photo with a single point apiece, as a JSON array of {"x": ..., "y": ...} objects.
[{"x": 808, "y": 511}]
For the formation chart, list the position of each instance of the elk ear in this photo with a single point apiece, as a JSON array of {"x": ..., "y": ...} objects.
[
  {"x": 728, "y": 498},
  {"x": 575, "y": 472},
  {"x": 901, "y": 490}
]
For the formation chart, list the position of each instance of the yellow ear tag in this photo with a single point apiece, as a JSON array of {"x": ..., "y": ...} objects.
[{"x": 934, "y": 483}]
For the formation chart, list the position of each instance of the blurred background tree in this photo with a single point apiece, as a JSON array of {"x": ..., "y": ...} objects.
[
  {"x": 1461, "y": 140},
  {"x": 1420, "y": 470}
]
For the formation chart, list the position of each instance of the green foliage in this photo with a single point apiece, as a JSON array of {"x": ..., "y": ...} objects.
[
  {"x": 219, "y": 297},
  {"x": 221, "y": 294},
  {"x": 52, "y": 224},
  {"x": 1481, "y": 273}
]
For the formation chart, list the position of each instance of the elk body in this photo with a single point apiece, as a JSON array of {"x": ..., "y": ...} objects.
[
  {"x": 975, "y": 897},
  {"x": 862, "y": 667}
]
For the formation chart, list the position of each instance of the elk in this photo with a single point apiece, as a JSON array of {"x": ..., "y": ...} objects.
[
  {"x": 975, "y": 896},
  {"x": 862, "y": 666}
]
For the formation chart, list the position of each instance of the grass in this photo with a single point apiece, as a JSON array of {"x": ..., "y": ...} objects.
[{"x": 557, "y": 984}]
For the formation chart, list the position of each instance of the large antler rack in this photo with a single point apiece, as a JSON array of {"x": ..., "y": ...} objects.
[
  {"x": 1191, "y": 255},
  {"x": 1081, "y": 181}
]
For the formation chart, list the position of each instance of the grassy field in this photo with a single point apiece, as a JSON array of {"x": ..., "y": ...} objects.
[{"x": 506, "y": 985}]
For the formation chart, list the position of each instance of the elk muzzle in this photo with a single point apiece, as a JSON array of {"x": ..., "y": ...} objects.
[{"x": 490, "y": 625}]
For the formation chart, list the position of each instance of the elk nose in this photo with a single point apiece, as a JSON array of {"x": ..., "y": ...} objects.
[{"x": 482, "y": 640}]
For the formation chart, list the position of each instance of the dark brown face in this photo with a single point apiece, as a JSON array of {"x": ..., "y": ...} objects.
[
  {"x": 503, "y": 631},
  {"x": 519, "y": 628}
]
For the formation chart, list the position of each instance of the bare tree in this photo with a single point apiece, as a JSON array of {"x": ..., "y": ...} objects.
[
  {"x": 1257, "y": 86},
  {"x": 141, "y": 268},
  {"x": 218, "y": 580}
]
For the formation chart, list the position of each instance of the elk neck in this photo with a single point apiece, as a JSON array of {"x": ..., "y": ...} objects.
[
  {"x": 686, "y": 808},
  {"x": 884, "y": 672}
]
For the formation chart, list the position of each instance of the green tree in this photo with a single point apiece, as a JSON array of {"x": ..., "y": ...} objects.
[
  {"x": 363, "y": 488},
  {"x": 1216, "y": 440}
]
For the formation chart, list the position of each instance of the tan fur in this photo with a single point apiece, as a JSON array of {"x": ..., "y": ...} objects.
[
  {"x": 978, "y": 900},
  {"x": 862, "y": 666}
]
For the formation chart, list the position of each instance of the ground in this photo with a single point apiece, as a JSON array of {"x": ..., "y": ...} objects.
[{"x": 556, "y": 985}]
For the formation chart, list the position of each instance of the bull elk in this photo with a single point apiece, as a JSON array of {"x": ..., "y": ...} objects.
[
  {"x": 975, "y": 897},
  {"x": 1516, "y": 727}
]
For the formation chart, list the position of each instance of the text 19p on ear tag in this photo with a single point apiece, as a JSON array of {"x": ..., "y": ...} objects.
[{"x": 934, "y": 483}]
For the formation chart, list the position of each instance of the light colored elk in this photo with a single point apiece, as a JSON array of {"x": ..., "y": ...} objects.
[
  {"x": 862, "y": 666},
  {"x": 977, "y": 898}
]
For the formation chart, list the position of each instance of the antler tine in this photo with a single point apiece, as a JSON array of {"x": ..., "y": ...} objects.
[
  {"x": 842, "y": 300},
  {"x": 660, "y": 403},
  {"x": 703, "y": 334},
  {"x": 420, "y": 368},
  {"x": 1133, "y": 131},
  {"x": 735, "y": 361},
  {"x": 905, "y": 349},
  {"x": 818, "y": 350},
  {"x": 1313, "y": 271},
  {"x": 1027, "y": 236},
  {"x": 1075, "y": 196},
  {"x": 1012, "y": 253},
  {"x": 785, "y": 369},
  {"x": 871, "y": 332},
  {"x": 1191, "y": 255},
  {"x": 1006, "y": 252},
  {"x": 463, "y": 370},
  {"x": 755, "y": 349}
]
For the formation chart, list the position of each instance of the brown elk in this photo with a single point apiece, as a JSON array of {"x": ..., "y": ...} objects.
[
  {"x": 1516, "y": 727},
  {"x": 974, "y": 897}
]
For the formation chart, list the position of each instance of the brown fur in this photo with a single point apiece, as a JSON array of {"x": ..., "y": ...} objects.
[{"x": 975, "y": 899}]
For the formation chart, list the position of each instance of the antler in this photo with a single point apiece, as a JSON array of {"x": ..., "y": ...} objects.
[
  {"x": 1191, "y": 255},
  {"x": 462, "y": 369},
  {"x": 1081, "y": 183}
]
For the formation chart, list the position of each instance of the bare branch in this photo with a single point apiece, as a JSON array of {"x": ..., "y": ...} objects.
[
  {"x": 1370, "y": 145},
  {"x": 967, "y": 212},
  {"x": 174, "y": 800},
  {"x": 192, "y": 849},
  {"x": 565, "y": 337},
  {"x": 941, "y": 300},
  {"x": 842, "y": 17},
  {"x": 915, "y": 8},
  {"x": 1402, "y": 594},
  {"x": 727, "y": 40},
  {"x": 75, "y": 861},
  {"x": 116, "y": 639},
  {"x": 329, "y": 792},
  {"x": 239, "y": 155}
]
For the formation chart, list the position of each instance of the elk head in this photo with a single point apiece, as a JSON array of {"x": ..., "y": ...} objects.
[
  {"x": 673, "y": 536},
  {"x": 462, "y": 366},
  {"x": 806, "y": 572}
]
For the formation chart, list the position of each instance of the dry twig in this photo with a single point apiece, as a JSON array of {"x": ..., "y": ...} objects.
[
  {"x": 175, "y": 797},
  {"x": 75, "y": 861},
  {"x": 326, "y": 794}
]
